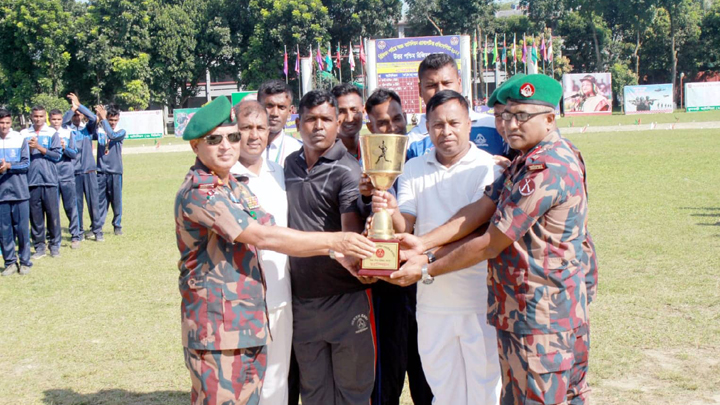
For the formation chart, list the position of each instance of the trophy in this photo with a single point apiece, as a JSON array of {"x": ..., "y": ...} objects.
[{"x": 383, "y": 157}]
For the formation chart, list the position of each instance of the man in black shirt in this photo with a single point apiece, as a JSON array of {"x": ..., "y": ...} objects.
[{"x": 333, "y": 326}]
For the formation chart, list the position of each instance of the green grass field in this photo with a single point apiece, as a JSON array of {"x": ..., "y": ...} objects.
[{"x": 100, "y": 325}]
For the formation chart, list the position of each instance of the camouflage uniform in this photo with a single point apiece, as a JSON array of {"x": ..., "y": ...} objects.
[
  {"x": 224, "y": 319},
  {"x": 537, "y": 292}
]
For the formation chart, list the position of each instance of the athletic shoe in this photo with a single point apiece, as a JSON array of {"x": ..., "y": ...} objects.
[
  {"x": 54, "y": 252},
  {"x": 99, "y": 238},
  {"x": 118, "y": 231},
  {"x": 24, "y": 270},
  {"x": 75, "y": 244},
  {"x": 38, "y": 254},
  {"x": 11, "y": 269}
]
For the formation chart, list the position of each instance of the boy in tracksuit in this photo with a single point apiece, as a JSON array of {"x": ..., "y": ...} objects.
[
  {"x": 66, "y": 175},
  {"x": 45, "y": 150},
  {"x": 109, "y": 163},
  {"x": 85, "y": 169},
  {"x": 14, "y": 196}
]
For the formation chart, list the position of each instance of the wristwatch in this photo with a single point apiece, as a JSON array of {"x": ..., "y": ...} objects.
[{"x": 427, "y": 279}]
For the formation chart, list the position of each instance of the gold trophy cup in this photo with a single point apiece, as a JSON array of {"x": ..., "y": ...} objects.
[{"x": 383, "y": 157}]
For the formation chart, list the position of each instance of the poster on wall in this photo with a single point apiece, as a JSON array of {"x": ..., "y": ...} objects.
[
  {"x": 181, "y": 117},
  {"x": 703, "y": 96},
  {"x": 587, "y": 93},
  {"x": 397, "y": 61},
  {"x": 142, "y": 124},
  {"x": 648, "y": 99}
]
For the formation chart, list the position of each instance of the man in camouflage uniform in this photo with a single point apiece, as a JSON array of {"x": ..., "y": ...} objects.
[
  {"x": 219, "y": 227},
  {"x": 543, "y": 268}
]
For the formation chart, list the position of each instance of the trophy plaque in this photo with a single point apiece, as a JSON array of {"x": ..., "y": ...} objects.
[{"x": 383, "y": 157}]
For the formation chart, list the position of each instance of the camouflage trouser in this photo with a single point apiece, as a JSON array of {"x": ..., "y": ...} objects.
[
  {"x": 544, "y": 369},
  {"x": 228, "y": 377}
]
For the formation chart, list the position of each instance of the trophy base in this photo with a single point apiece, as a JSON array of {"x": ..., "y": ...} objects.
[{"x": 385, "y": 261}]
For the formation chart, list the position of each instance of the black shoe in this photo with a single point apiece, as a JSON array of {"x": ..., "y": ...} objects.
[
  {"x": 11, "y": 269},
  {"x": 118, "y": 231},
  {"x": 38, "y": 254},
  {"x": 54, "y": 252}
]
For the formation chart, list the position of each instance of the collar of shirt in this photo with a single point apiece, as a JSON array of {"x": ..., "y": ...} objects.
[
  {"x": 204, "y": 176},
  {"x": 44, "y": 130},
  {"x": 336, "y": 152},
  {"x": 470, "y": 157},
  {"x": 240, "y": 170}
]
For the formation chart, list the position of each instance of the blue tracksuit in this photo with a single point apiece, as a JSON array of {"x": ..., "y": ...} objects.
[
  {"x": 85, "y": 169},
  {"x": 43, "y": 183},
  {"x": 66, "y": 176},
  {"x": 110, "y": 169},
  {"x": 14, "y": 196}
]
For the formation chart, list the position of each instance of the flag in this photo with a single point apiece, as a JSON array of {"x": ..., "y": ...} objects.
[
  {"x": 318, "y": 59},
  {"x": 362, "y": 52},
  {"x": 495, "y": 52},
  {"x": 337, "y": 58},
  {"x": 514, "y": 51},
  {"x": 549, "y": 49},
  {"x": 475, "y": 45},
  {"x": 524, "y": 50},
  {"x": 328, "y": 60},
  {"x": 285, "y": 64},
  {"x": 534, "y": 54},
  {"x": 351, "y": 56},
  {"x": 485, "y": 54},
  {"x": 504, "y": 52},
  {"x": 297, "y": 61},
  {"x": 543, "y": 54}
]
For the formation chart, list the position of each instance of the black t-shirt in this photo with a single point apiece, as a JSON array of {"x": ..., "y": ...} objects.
[{"x": 316, "y": 200}]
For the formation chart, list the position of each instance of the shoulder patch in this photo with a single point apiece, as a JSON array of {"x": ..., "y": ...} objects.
[{"x": 526, "y": 187}]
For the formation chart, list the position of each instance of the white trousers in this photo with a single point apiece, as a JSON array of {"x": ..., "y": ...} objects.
[
  {"x": 460, "y": 358},
  {"x": 275, "y": 386}
]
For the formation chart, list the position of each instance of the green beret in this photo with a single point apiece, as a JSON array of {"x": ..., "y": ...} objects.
[
  {"x": 494, "y": 96},
  {"x": 532, "y": 89},
  {"x": 209, "y": 117}
]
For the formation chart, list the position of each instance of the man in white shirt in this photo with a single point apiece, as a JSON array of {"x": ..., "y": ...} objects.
[
  {"x": 457, "y": 347},
  {"x": 267, "y": 181},
  {"x": 277, "y": 97}
]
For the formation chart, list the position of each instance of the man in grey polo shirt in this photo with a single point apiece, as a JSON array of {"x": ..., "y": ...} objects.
[{"x": 333, "y": 321}]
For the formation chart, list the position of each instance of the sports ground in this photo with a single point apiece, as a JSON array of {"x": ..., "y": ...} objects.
[{"x": 100, "y": 325}]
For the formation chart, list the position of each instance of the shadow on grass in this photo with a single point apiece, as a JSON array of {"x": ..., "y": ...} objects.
[{"x": 115, "y": 397}]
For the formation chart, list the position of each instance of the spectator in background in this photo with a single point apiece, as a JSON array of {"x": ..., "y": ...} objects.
[
  {"x": 110, "y": 167},
  {"x": 277, "y": 98},
  {"x": 14, "y": 196},
  {"x": 351, "y": 114},
  {"x": 45, "y": 152},
  {"x": 66, "y": 175}
]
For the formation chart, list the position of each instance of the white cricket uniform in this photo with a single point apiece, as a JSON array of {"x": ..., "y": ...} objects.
[
  {"x": 281, "y": 147},
  {"x": 457, "y": 347},
  {"x": 269, "y": 187}
]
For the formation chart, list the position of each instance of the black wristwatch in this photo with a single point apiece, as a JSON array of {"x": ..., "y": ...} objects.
[{"x": 430, "y": 256}]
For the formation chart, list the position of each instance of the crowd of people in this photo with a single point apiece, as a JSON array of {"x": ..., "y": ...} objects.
[
  {"x": 491, "y": 303},
  {"x": 50, "y": 161}
]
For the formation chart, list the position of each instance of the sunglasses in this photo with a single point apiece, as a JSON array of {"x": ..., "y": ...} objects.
[{"x": 215, "y": 139}]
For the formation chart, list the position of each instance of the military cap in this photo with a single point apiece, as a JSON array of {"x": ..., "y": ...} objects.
[
  {"x": 532, "y": 89},
  {"x": 209, "y": 117},
  {"x": 494, "y": 96}
]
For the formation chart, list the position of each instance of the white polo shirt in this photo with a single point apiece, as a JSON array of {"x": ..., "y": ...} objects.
[
  {"x": 281, "y": 147},
  {"x": 269, "y": 187},
  {"x": 433, "y": 193}
]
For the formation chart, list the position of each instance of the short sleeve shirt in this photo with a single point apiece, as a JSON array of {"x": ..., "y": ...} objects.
[
  {"x": 537, "y": 284},
  {"x": 221, "y": 283}
]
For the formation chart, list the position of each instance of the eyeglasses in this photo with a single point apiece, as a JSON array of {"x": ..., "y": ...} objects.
[
  {"x": 215, "y": 139},
  {"x": 521, "y": 116}
]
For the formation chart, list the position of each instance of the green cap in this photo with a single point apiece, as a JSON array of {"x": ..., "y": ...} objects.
[
  {"x": 532, "y": 89},
  {"x": 209, "y": 117},
  {"x": 494, "y": 96}
]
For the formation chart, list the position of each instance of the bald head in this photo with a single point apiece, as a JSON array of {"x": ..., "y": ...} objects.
[{"x": 247, "y": 108}]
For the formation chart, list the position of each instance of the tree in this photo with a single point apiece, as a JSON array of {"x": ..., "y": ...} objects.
[
  {"x": 279, "y": 23},
  {"x": 368, "y": 18},
  {"x": 450, "y": 17},
  {"x": 684, "y": 18},
  {"x": 637, "y": 16},
  {"x": 621, "y": 76},
  {"x": 33, "y": 50},
  {"x": 540, "y": 12},
  {"x": 710, "y": 37}
]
